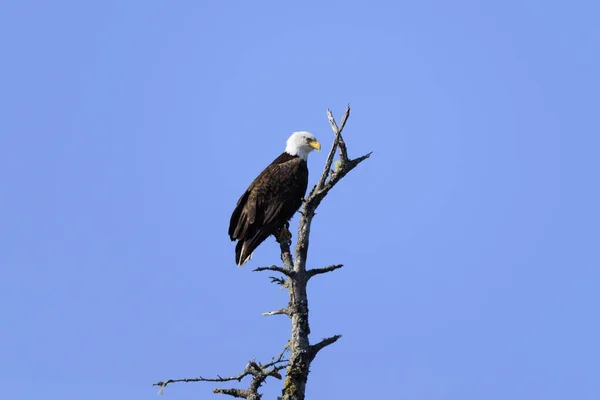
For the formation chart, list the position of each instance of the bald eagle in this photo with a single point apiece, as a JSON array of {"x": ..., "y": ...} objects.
[{"x": 272, "y": 199}]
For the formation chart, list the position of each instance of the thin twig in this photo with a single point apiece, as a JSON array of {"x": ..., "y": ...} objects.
[
  {"x": 316, "y": 271},
  {"x": 279, "y": 281},
  {"x": 344, "y": 118},
  {"x": 275, "y": 268},
  {"x": 279, "y": 358},
  {"x": 239, "y": 393},
  {"x": 278, "y": 312},
  {"x": 360, "y": 159},
  {"x": 238, "y": 378},
  {"x": 201, "y": 379}
]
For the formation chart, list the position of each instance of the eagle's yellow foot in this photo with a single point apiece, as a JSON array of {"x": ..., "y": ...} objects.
[{"x": 284, "y": 235}]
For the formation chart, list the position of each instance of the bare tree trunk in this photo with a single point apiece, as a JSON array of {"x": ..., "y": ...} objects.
[{"x": 302, "y": 352}]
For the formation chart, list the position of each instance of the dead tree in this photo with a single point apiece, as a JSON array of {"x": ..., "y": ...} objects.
[{"x": 294, "y": 278}]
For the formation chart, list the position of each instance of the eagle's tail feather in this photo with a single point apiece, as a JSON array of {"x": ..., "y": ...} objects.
[
  {"x": 245, "y": 248},
  {"x": 243, "y": 252}
]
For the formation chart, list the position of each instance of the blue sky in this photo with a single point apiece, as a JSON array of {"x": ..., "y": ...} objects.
[{"x": 470, "y": 239}]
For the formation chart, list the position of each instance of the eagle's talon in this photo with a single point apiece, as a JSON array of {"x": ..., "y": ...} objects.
[{"x": 284, "y": 235}]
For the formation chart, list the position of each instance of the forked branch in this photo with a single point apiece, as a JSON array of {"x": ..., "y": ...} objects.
[
  {"x": 258, "y": 371},
  {"x": 337, "y": 132},
  {"x": 336, "y": 142}
]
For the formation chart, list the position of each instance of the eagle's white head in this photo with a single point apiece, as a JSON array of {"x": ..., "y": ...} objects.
[{"x": 302, "y": 143}]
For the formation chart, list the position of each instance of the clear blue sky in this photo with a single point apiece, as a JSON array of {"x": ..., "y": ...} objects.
[{"x": 471, "y": 239}]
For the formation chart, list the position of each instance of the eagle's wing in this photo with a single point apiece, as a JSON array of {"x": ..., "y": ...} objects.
[{"x": 269, "y": 201}]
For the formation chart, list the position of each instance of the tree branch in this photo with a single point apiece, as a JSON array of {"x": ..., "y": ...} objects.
[
  {"x": 240, "y": 393},
  {"x": 282, "y": 311},
  {"x": 259, "y": 372},
  {"x": 360, "y": 159},
  {"x": 337, "y": 141},
  {"x": 279, "y": 281},
  {"x": 201, "y": 379},
  {"x": 316, "y": 271},
  {"x": 318, "y": 195},
  {"x": 327, "y": 168},
  {"x": 314, "y": 349},
  {"x": 279, "y": 358},
  {"x": 275, "y": 268},
  {"x": 337, "y": 132}
]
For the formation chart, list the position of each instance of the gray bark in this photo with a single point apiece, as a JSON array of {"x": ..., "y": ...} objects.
[{"x": 302, "y": 353}]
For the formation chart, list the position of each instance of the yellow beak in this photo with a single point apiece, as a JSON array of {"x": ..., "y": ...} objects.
[{"x": 315, "y": 145}]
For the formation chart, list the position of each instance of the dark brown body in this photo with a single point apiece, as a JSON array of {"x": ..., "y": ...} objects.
[{"x": 268, "y": 203}]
